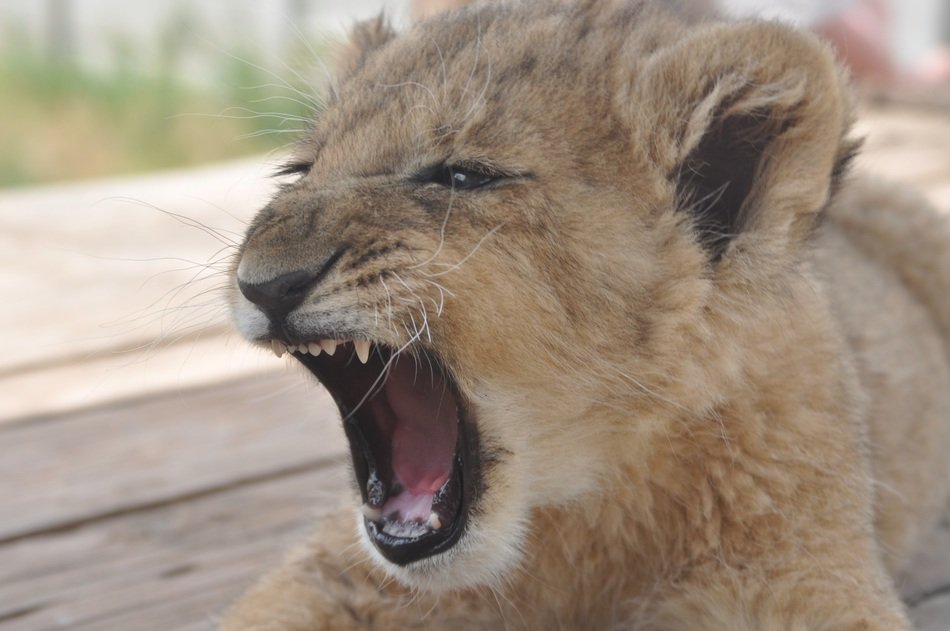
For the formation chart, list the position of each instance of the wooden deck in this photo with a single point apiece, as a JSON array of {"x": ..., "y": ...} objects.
[{"x": 152, "y": 466}]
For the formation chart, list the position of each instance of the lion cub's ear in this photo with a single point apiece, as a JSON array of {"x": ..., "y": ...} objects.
[
  {"x": 364, "y": 38},
  {"x": 748, "y": 122}
]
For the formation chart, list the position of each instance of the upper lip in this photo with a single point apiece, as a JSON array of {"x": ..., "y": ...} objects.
[{"x": 384, "y": 423}]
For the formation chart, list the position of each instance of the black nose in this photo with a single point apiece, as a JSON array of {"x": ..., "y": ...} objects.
[{"x": 279, "y": 296}]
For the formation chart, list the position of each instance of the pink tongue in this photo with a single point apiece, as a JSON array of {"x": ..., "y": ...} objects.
[{"x": 426, "y": 427}]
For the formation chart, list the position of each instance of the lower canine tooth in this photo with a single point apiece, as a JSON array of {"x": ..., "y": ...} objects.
[
  {"x": 371, "y": 513},
  {"x": 278, "y": 348},
  {"x": 362, "y": 350},
  {"x": 435, "y": 523}
]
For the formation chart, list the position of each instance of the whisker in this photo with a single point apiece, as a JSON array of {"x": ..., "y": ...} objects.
[
  {"x": 221, "y": 235},
  {"x": 457, "y": 265}
]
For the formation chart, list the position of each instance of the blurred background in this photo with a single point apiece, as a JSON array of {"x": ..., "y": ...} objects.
[
  {"x": 151, "y": 464},
  {"x": 94, "y": 88},
  {"x": 140, "y": 86}
]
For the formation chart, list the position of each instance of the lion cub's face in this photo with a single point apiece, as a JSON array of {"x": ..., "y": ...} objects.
[{"x": 490, "y": 259}]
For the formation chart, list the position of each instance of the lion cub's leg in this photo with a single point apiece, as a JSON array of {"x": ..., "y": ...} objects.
[
  {"x": 312, "y": 590},
  {"x": 288, "y": 600},
  {"x": 331, "y": 584}
]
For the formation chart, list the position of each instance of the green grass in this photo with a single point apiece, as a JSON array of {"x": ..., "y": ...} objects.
[{"x": 62, "y": 122}]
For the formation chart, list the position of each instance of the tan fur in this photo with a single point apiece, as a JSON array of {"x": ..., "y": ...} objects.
[{"x": 675, "y": 441}]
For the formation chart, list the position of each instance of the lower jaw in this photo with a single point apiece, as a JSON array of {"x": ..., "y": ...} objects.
[{"x": 425, "y": 542}]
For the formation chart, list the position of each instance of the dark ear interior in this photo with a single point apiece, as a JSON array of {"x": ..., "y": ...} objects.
[
  {"x": 749, "y": 122},
  {"x": 715, "y": 182}
]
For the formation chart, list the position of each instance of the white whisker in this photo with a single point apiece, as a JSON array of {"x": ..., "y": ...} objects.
[{"x": 457, "y": 265}]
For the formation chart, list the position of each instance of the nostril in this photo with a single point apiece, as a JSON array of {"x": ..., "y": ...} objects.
[{"x": 279, "y": 296}]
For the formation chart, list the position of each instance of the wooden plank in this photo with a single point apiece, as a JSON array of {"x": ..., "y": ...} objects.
[
  {"x": 909, "y": 146},
  {"x": 910, "y": 164},
  {"x": 932, "y": 615},
  {"x": 64, "y": 470},
  {"x": 196, "y": 361},
  {"x": 178, "y": 566},
  {"x": 927, "y": 585},
  {"x": 930, "y": 569},
  {"x": 889, "y": 127},
  {"x": 171, "y": 567},
  {"x": 940, "y": 194}
]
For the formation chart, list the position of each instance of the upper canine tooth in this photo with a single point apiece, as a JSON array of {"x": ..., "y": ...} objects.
[
  {"x": 362, "y": 350},
  {"x": 278, "y": 348},
  {"x": 329, "y": 346},
  {"x": 314, "y": 348}
]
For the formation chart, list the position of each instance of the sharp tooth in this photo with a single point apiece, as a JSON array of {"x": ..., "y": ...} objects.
[
  {"x": 362, "y": 350},
  {"x": 435, "y": 522},
  {"x": 371, "y": 512},
  {"x": 278, "y": 348},
  {"x": 314, "y": 348},
  {"x": 329, "y": 346}
]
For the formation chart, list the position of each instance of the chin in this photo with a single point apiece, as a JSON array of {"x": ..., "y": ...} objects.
[{"x": 482, "y": 556}]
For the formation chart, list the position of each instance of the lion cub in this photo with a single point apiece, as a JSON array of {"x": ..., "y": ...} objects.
[{"x": 614, "y": 341}]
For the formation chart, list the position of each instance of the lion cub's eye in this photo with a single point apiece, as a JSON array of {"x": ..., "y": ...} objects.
[{"x": 460, "y": 178}]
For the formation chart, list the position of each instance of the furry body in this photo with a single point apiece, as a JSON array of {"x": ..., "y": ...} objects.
[{"x": 710, "y": 374}]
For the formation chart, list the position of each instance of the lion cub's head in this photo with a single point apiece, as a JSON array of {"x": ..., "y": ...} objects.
[{"x": 509, "y": 238}]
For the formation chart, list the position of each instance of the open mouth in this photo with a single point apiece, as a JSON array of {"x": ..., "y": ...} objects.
[{"x": 414, "y": 449}]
